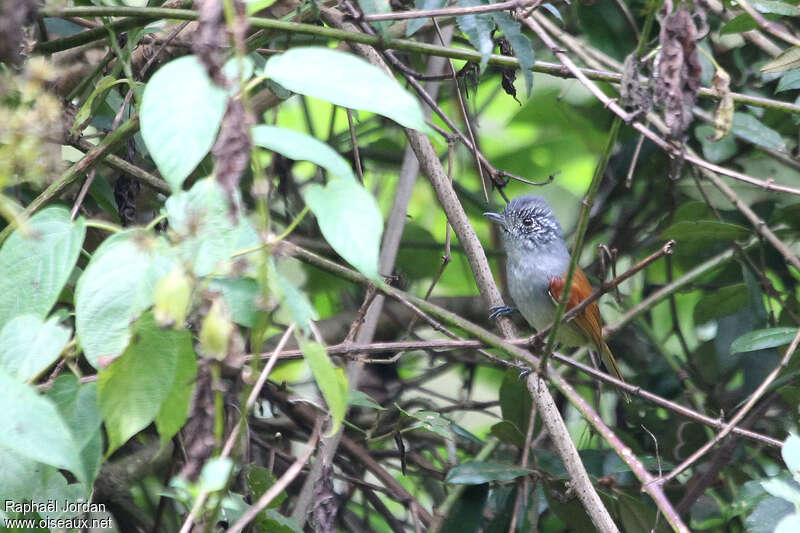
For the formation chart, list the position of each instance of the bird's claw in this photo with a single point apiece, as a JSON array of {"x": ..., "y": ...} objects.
[
  {"x": 525, "y": 372},
  {"x": 500, "y": 310}
]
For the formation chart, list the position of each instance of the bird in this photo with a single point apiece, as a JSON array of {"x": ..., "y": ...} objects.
[{"x": 537, "y": 260}]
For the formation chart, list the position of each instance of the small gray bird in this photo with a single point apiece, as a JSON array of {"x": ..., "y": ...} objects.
[{"x": 536, "y": 265}]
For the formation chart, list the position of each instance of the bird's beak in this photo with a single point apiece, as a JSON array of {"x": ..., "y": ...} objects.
[{"x": 496, "y": 218}]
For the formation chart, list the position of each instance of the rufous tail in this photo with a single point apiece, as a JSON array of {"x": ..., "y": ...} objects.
[{"x": 611, "y": 365}]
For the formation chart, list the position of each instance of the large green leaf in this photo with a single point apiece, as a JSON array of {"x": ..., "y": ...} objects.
[
  {"x": 175, "y": 410},
  {"x": 466, "y": 514},
  {"x": 704, "y": 230},
  {"x": 750, "y": 128},
  {"x": 722, "y": 302},
  {"x": 34, "y": 429},
  {"x": 294, "y": 300},
  {"x": 345, "y": 80},
  {"x": 36, "y": 265},
  {"x": 301, "y": 147},
  {"x": 515, "y": 400},
  {"x": 331, "y": 381},
  {"x": 787, "y": 60},
  {"x": 767, "y": 514},
  {"x": 763, "y": 339},
  {"x": 790, "y": 451},
  {"x": 79, "y": 409},
  {"x": 350, "y": 221},
  {"x": 181, "y": 112},
  {"x": 28, "y": 345},
  {"x": 776, "y": 6},
  {"x": 116, "y": 287},
  {"x": 789, "y": 81},
  {"x": 478, "y": 29},
  {"x": 133, "y": 389},
  {"x": 478, "y": 472},
  {"x": 208, "y": 228}
]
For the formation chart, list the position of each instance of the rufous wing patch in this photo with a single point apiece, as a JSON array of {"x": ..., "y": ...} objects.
[{"x": 588, "y": 320}]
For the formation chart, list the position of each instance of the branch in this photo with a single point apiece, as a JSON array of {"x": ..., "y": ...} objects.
[{"x": 142, "y": 15}]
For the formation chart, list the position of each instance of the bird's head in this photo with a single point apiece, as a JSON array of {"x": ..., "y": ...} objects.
[{"x": 527, "y": 223}]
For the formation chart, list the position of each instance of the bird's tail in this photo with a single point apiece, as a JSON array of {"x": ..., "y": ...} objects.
[{"x": 611, "y": 365}]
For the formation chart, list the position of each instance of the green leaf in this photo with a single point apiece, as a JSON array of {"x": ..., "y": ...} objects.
[
  {"x": 478, "y": 29},
  {"x": 515, "y": 400},
  {"x": 767, "y": 514},
  {"x": 345, "y": 80},
  {"x": 738, "y": 24},
  {"x": 781, "y": 489},
  {"x": 294, "y": 299},
  {"x": 522, "y": 46},
  {"x": 28, "y": 345},
  {"x": 509, "y": 433},
  {"x": 36, "y": 265},
  {"x": 331, "y": 381},
  {"x": 788, "y": 60},
  {"x": 78, "y": 406},
  {"x": 362, "y": 399},
  {"x": 215, "y": 474},
  {"x": 478, "y": 472},
  {"x": 175, "y": 410},
  {"x": 466, "y": 514},
  {"x": 415, "y": 24},
  {"x": 789, "y": 81},
  {"x": 209, "y": 230},
  {"x": 375, "y": 7},
  {"x": 254, "y": 6},
  {"x": 181, "y": 112},
  {"x": 431, "y": 421},
  {"x": 751, "y": 129},
  {"x": 259, "y": 480},
  {"x": 350, "y": 221},
  {"x": 715, "y": 151},
  {"x": 116, "y": 287},
  {"x": 34, "y": 429},
  {"x": 133, "y": 389},
  {"x": 275, "y": 522},
  {"x": 240, "y": 296},
  {"x": 788, "y": 524},
  {"x": 776, "y": 7},
  {"x": 301, "y": 147},
  {"x": 721, "y": 302},
  {"x": 704, "y": 230},
  {"x": 790, "y": 451},
  {"x": 85, "y": 110},
  {"x": 763, "y": 339}
]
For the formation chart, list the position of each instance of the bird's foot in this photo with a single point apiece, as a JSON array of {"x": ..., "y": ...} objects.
[{"x": 501, "y": 310}]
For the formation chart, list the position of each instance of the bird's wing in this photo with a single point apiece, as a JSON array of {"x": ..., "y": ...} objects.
[{"x": 588, "y": 320}]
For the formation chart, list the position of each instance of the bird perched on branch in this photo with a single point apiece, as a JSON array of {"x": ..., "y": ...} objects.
[{"x": 536, "y": 266}]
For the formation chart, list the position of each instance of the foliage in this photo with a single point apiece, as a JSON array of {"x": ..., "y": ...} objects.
[{"x": 217, "y": 239}]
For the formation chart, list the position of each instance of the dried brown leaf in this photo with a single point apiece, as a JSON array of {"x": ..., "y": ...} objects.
[
  {"x": 723, "y": 115},
  {"x": 678, "y": 71},
  {"x": 233, "y": 146}
]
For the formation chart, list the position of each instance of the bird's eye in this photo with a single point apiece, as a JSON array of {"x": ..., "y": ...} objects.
[{"x": 527, "y": 221}]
